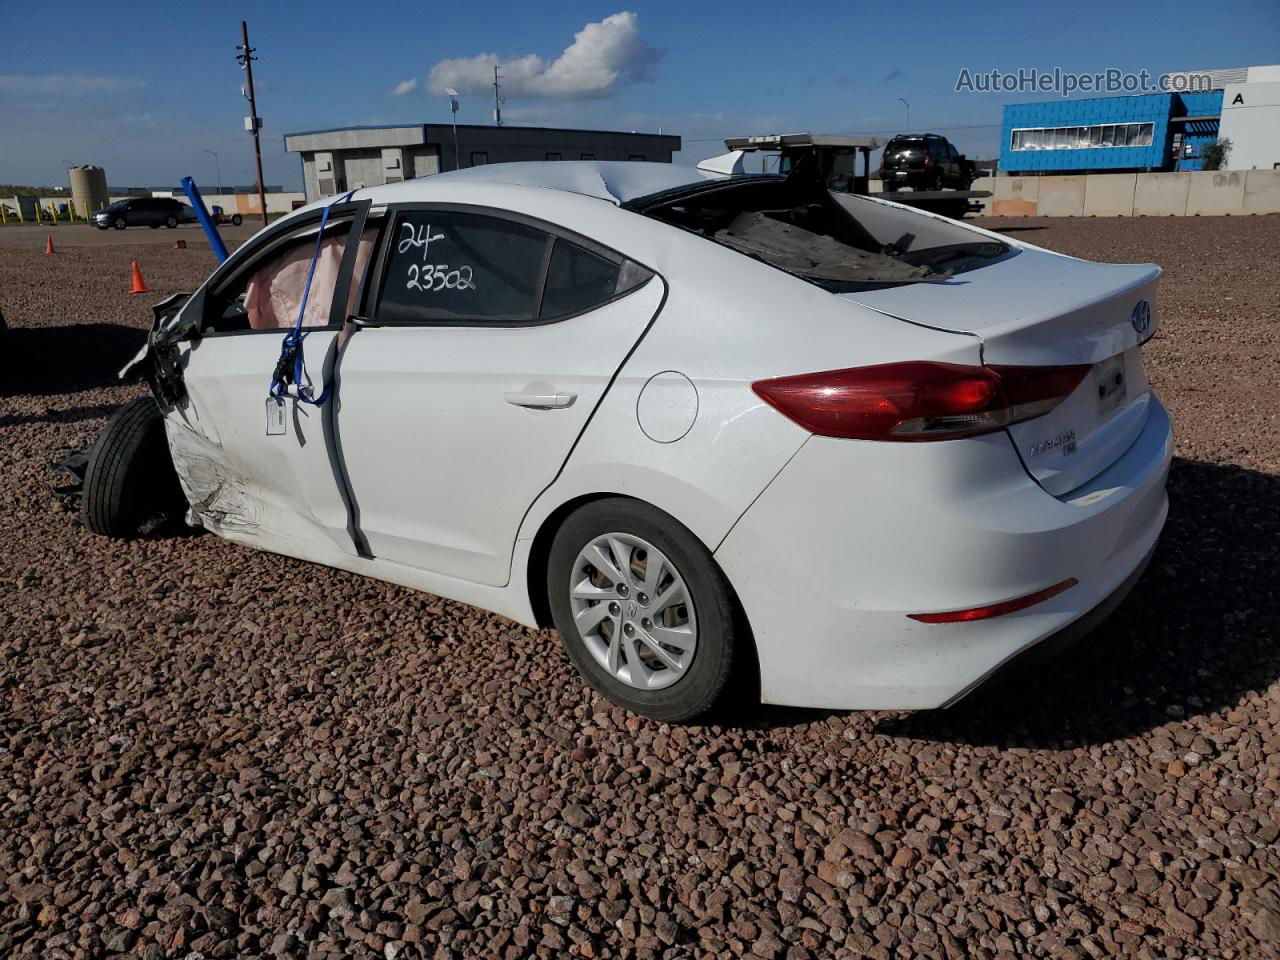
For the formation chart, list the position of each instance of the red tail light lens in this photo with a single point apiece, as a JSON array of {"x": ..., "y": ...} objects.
[
  {"x": 918, "y": 400},
  {"x": 996, "y": 609}
]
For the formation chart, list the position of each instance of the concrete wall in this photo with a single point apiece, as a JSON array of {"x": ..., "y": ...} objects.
[
  {"x": 1110, "y": 196},
  {"x": 1061, "y": 196},
  {"x": 1161, "y": 194},
  {"x": 1206, "y": 193}
]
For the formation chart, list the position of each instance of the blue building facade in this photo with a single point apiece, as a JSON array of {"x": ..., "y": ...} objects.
[{"x": 1160, "y": 131}]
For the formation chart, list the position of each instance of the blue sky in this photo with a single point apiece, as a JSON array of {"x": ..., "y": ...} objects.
[{"x": 145, "y": 88}]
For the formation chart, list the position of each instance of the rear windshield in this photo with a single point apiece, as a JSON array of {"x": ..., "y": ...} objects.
[
  {"x": 794, "y": 226},
  {"x": 905, "y": 143},
  {"x": 793, "y": 223}
]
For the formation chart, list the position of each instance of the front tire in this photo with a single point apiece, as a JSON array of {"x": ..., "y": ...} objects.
[
  {"x": 171, "y": 222},
  {"x": 130, "y": 485},
  {"x": 120, "y": 224},
  {"x": 644, "y": 612}
]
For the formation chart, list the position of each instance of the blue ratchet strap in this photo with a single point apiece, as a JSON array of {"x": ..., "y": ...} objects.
[{"x": 289, "y": 368}]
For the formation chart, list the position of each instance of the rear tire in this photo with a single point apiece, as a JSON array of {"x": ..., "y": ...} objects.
[
  {"x": 120, "y": 224},
  {"x": 130, "y": 483},
  {"x": 171, "y": 222},
  {"x": 718, "y": 634},
  {"x": 236, "y": 219}
]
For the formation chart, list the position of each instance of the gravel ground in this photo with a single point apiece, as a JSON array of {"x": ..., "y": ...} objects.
[{"x": 210, "y": 752}]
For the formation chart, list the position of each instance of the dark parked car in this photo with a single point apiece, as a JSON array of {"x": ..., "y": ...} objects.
[
  {"x": 924, "y": 161},
  {"x": 144, "y": 212}
]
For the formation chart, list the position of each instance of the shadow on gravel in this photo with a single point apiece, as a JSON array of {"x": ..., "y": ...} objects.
[
  {"x": 1015, "y": 229},
  {"x": 1197, "y": 634},
  {"x": 40, "y": 361}
]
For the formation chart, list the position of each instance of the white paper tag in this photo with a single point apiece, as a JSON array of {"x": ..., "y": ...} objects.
[{"x": 275, "y": 417}]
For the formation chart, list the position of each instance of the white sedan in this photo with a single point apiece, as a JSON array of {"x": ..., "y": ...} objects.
[{"x": 717, "y": 429}]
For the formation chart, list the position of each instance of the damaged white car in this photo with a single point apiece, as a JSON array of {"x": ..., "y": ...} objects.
[{"x": 711, "y": 427}]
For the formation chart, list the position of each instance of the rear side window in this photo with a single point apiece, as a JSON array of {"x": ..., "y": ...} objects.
[
  {"x": 446, "y": 267},
  {"x": 577, "y": 280}
]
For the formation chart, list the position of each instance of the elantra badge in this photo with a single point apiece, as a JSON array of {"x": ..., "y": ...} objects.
[
  {"x": 1141, "y": 317},
  {"x": 1066, "y": 442}
]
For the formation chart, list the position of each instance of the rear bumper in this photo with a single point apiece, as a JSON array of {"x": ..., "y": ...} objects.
[
  {"x": 853, "y": 536},
  {"x": 1041, "y": 651}
]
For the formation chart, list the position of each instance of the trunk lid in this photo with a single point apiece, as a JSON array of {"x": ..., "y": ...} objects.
[{"x": 1036, "y": 308}]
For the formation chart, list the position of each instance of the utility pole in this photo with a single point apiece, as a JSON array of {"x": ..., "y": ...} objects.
[
  {"x": 497, "y": 96},
  {"x": 245, "y": 59}
]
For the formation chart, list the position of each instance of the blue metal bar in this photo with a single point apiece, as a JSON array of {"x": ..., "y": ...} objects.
[{"x": 215, "y": 240}]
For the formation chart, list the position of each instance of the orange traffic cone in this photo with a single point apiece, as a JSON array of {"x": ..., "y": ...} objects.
[
  {"x": 48, "y": 245},
  {"x": 138, "y": 285}
]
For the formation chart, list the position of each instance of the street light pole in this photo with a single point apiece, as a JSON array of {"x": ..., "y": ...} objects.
[
  {"x": 246, "y": 59},
  {"x": 908, "y": 106},
  {"x": 453, "y": 107},
  {"x": 217, "y": 168}
]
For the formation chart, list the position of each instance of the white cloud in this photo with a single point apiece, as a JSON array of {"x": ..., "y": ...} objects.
[
  {"x": 405, "y": 86},
  {"x": 603, "y": 57}
]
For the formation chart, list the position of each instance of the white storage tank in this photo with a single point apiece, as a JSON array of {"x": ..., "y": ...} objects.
[{"x": 88, "y": 188}]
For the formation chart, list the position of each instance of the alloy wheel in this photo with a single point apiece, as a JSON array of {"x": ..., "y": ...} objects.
[{"x": 633, "y": 611}]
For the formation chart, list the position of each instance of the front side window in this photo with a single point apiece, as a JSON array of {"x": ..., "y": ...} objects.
[
  {"x": 447, "y": 267},
  {"x": 267, "y": 293}
]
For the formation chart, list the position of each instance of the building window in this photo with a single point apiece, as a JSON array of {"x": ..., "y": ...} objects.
[
  {"x": 553, "y": 156},
  {"x": 635, "y": 156},
  {"x": 1081, "y": 138},
  {"x": 479, "y": 159},
  {"x": 588, "y": 156}
]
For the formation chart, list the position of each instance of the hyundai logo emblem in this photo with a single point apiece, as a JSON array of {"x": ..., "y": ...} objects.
[{"x": 1141, "y": 316}]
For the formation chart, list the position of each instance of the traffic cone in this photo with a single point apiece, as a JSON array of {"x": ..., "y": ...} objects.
[
  {"x": 48, "y": 246},
  {"x": 138, "y": 285}
]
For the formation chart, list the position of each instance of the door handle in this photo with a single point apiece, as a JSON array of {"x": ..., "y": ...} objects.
[{"x": 541, "y": 401}]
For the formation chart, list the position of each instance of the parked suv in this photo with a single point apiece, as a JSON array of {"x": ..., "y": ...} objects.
[
  {"x": 144, "y": 212},
  {"x": 924, "y": 161}
]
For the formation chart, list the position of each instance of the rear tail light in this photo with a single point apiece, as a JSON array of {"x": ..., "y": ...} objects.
[
  {"x": 927, "y": 160},
  {"x": 918, "y": 399}
]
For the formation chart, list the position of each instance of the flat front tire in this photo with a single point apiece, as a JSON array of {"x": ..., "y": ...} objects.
[
  {"x": 129, "y": 483},
  {"x": 643, "y": 610}
]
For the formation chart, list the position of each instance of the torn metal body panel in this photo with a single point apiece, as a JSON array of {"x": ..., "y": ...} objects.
[{"x": 218, "y": 498}]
